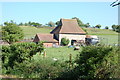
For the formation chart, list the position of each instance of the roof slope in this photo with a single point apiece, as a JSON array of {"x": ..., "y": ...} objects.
[
  {"x": 68, "y": 26},
  {"x": 44, "y": 37}
]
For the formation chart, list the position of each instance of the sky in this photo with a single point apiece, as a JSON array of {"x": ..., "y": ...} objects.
[{"x": 43, "y": 12}]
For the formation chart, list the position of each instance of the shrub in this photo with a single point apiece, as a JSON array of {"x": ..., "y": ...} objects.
[
  {"x": 12, "y": 33},
  {"x": 64, "y": 41},
  {"x": 19, "y": 52},
  {"x": 95, "y": 62}
]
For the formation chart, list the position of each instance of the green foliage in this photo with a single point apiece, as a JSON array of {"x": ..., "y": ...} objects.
[
  {"x": 98, "y": 26},
  {"x": 87, "y": 25},
  {"x": 90, "y": 60},
  {"x": 106, "y": 27},
  {"x": 116, "y": 28},
  {"x": 51, "y": 24},
  {"x": 11, "y": 33},
  {"x": 35, "y": 24},
  {"x": 64, "y": 41},
  {"x": 95, "y": 62},
  {"x": 19, "y": 52}
]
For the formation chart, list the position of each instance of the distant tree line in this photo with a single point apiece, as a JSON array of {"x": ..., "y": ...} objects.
[{"x": 54, "y": 24}]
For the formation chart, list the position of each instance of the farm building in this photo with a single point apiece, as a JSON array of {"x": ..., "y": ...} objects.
[
  {"x": 47, "y": 39},
  {"x": 69, "y": 28}
]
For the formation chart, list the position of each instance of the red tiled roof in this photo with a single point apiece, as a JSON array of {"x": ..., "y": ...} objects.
[
  {"x": 44, "y": 37},
  {"x": 68, "y": 26}
]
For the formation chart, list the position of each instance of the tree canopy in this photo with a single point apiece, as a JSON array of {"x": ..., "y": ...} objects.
[
  {"x": 116, "y": 28},
  {"x": 11, "y": 32},
  {"x": 98, "y": 26}
]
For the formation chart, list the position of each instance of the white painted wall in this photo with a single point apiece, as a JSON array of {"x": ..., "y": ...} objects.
[{"x": 71, "y": 37}]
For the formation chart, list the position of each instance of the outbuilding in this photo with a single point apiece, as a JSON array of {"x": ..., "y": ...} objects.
[{"x": 48, "y": 40}]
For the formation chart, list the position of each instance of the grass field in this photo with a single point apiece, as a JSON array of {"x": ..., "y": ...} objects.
[
  {"x": 95, "y": 31},
  {"x": 32, "y": 31},
  {"x": 61, "y": 54},
  {"x": 108, "y": 37}
]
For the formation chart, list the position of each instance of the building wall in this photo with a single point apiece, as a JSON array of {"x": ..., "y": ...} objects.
[
  {"x": 49, "y": 44},
  {"x": 71, "y": 37}
]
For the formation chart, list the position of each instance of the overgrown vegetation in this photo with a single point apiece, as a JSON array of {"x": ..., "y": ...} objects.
[
  {"x": 18, "y": 53},
  {"x": 95, "y": 62}
]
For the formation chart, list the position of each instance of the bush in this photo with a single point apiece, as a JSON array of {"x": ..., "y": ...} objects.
[
  {"x": 19, "y": 52},
  {"x": 95, "y": 62},
  {"x": 44, "y": 69},
  {"x": 64, "y": 41},
  {"x": 12, "y": 33}
]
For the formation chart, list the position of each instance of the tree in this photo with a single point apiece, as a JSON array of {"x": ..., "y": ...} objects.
[
  {"x": 21, "y": 24},
  {"x": 87, "y": 25},
  {"x": 106, "y": 27},
  {"x": 98, "y": 26},
  {"x": 35, "y": 24},
  {"x": 64, "y": 41},
  {"x": 80, "y": 23},
  {"x": 116, "y": 28},
  {"x": 20, "y": 52},
  {"x": 51, "y": 24},
  {"x": 11, "y": 33},
  {"x": 113, "y": 27}
]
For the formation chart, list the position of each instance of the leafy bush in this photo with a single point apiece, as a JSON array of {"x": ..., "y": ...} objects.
[
  {"x": 19, "y": 52},
  {"x": 44, "y": 69},
  {"x": 64, "y": 41},
  {"x": 95, "y": 62},
  {"x": 11, "y": 33}
]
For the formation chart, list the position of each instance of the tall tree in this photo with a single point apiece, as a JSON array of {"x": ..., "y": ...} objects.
[{"x": 12, "y": 33}]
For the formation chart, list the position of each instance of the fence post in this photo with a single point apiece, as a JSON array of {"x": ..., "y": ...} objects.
[
  {"x": 44, "y": 55},
  {"x": 70, "y": 60}
]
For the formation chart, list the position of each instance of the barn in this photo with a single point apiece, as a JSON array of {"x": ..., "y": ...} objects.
[
  {"x": 48, "y": 40},
  {"x": 69, "y": 28}
]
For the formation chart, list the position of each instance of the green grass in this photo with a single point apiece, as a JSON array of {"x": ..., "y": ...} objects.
[
  {"x": 32, "y": 31},
  {"x": 94, "y": 31},
  {"x": 108, "y": 39},
  {"x": 62, "y": 53},
  {"x": 106, "y": 36}
]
